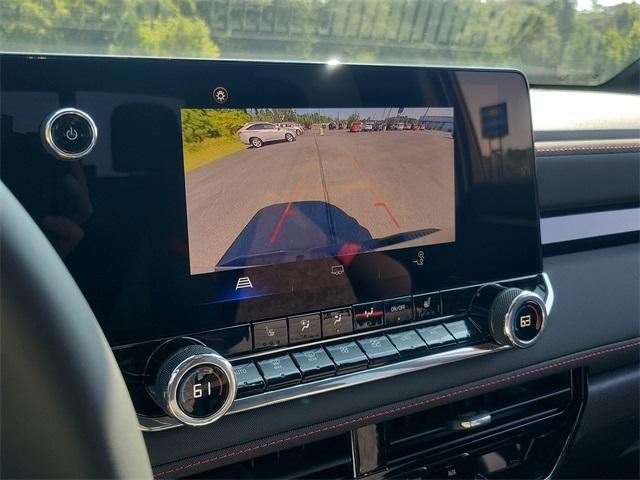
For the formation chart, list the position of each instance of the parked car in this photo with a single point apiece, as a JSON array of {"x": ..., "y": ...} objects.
[
  {"x": 368, "y": 127},
  {"x": 356, "y": 127},
  {"x": 257, "y": 134},
  {"x": 398, "y": 126},
  {"x": 298, "y": 130}
]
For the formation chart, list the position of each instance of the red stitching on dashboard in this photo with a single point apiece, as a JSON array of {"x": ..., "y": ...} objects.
[
  {"x": 595, "y": 148},
  {"x": 394, "y": 410}
]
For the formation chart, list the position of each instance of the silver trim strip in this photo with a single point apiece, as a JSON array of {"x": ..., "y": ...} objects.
[
  {"x": 339, "y": 382},
  {"x": 589, "y": 225},
  {"x": 355, "y": 378},
  {"x": 550, "y": 296},
  {"x": 50, "y": 144}
]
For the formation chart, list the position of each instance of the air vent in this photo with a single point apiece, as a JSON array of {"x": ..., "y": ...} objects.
[
  {"x": 513, "y": 418},
  {"x": 329, "y": 458},
  {"x": 513, "y": 432}
]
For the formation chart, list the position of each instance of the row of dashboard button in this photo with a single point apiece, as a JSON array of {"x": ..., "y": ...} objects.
[
  {"x": 320, "y": 362},
  {"x": 332, "y": 323}
]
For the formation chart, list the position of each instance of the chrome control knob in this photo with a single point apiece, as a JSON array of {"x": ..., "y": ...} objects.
[
  {"x": 195, "y": 385},
  {"x": 517, "y": 317}
]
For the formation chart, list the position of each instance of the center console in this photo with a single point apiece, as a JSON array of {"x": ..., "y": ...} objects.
[{"x": 250, "y": 233}]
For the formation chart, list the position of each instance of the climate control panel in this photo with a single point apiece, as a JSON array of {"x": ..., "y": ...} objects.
[{"x": 187, "y": 381}]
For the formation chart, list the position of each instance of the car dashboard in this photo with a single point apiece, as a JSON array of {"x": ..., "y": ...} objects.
[{"x": 343, "y": 271}]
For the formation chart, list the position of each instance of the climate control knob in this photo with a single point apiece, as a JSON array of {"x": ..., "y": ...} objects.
[
  {"x": 516, "y": 317},
  {"x": 195, "y": 385}
]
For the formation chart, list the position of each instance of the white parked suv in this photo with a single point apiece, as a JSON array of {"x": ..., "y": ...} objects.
[
  {"x": 296, "y": 127},
  {"x": 259, "y": 133}
]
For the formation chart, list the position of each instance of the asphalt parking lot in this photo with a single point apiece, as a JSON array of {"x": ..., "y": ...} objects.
[{"x": 389, "y": 182}]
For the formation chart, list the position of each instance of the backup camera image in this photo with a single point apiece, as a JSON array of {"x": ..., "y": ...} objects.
[{"x": 268, "y": 186}]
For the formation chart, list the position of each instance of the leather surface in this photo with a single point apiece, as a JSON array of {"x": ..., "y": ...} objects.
[
  {"x": 66, "y": 412},
  {"x": 596, "y": 304},
  {"x": 598, "y": 181},
  {"x": 611, "y": 412}
]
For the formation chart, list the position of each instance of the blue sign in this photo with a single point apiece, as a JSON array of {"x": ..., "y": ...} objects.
[{"x": 494, "y": 121}]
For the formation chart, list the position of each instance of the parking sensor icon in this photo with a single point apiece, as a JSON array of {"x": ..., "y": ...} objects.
[
  {"x": 220, "y": 94},
  {"x": 337, "y": 270}
]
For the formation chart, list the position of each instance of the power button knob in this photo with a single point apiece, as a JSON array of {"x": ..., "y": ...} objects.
[
  {"x": 517, "y": 317},
  {"x": 69, "y": 134}
]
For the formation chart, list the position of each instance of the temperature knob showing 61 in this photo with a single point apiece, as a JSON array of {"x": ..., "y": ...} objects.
[{"x": 195, "y": 385}]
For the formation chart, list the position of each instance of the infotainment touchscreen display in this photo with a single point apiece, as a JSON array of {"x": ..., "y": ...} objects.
[
  {"x": 277, "y": 185},
  {"x": 302, "y": 188}
]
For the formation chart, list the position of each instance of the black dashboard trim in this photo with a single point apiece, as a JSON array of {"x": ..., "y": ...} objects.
[{"x": 573, "y": 182}]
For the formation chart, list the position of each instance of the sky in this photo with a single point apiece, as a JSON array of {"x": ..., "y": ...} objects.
[{"x": 377, "y": 113}]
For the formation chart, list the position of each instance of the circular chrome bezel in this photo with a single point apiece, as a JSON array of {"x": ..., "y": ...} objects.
[
  {"x": 220, "y": 88},
  {"x": 170, "y": 396},
  {"x": 50, "y": 144},
  {"x": 522, "y": 299}
]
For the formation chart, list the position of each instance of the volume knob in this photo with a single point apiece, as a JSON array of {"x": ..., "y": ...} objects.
[
  {"x": 195, "y": 385},
  {"x": 517, "y": 317}
]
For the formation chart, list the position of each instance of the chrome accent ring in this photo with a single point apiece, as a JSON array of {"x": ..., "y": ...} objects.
[
  {"x": 170, "y": 400},
  {"x": 550, "y": 297},
  {"x": 518, "y": 302},
  {"x": 49, "y": 143}
]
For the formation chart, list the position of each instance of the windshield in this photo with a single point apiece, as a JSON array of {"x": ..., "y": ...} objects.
[{"x": 555, "y": 41}]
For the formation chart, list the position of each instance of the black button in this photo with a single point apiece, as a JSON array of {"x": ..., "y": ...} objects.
[
  {"x": 408, "y": 343},
  {"x": 368, "y": 315},
  {"x": 378, "y": 349},
  {"x": 436, "y": 336},
  {"x": 72, "y": 133},
  {"x": 456, "y": 470},
  {"x": 270, "y": 334},
  {"x": 457, "y": 302},
  {"x": 336, "y": 322},
  {"x": 202, "y": 391},
  {"x": 279, "y": 372},
  {"x": 314, "y": 364},
  {"x": 427, "y": 305},
  {"x": 248, "y": 379},
  {"x": 463, "y": 331},
  {"x": 527, "y": 322},
  {"x": 397, "y": 311},
  {"x": 227, "y": 341},
  {"x": 304, "y": 328},
  {"x": 347, "y": 357}
]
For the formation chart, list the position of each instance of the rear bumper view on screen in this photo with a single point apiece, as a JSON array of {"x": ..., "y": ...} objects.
[{"x": 272, "y": 186}]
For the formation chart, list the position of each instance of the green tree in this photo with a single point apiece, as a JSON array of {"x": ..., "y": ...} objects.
[
  {"x": 354, "y": 117},
  {"x": 167, "y": 38},
  {"x": 551, "y": 40},
  {"x": 199, "y": 124},
  {"x": 172, "y": 29}
]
